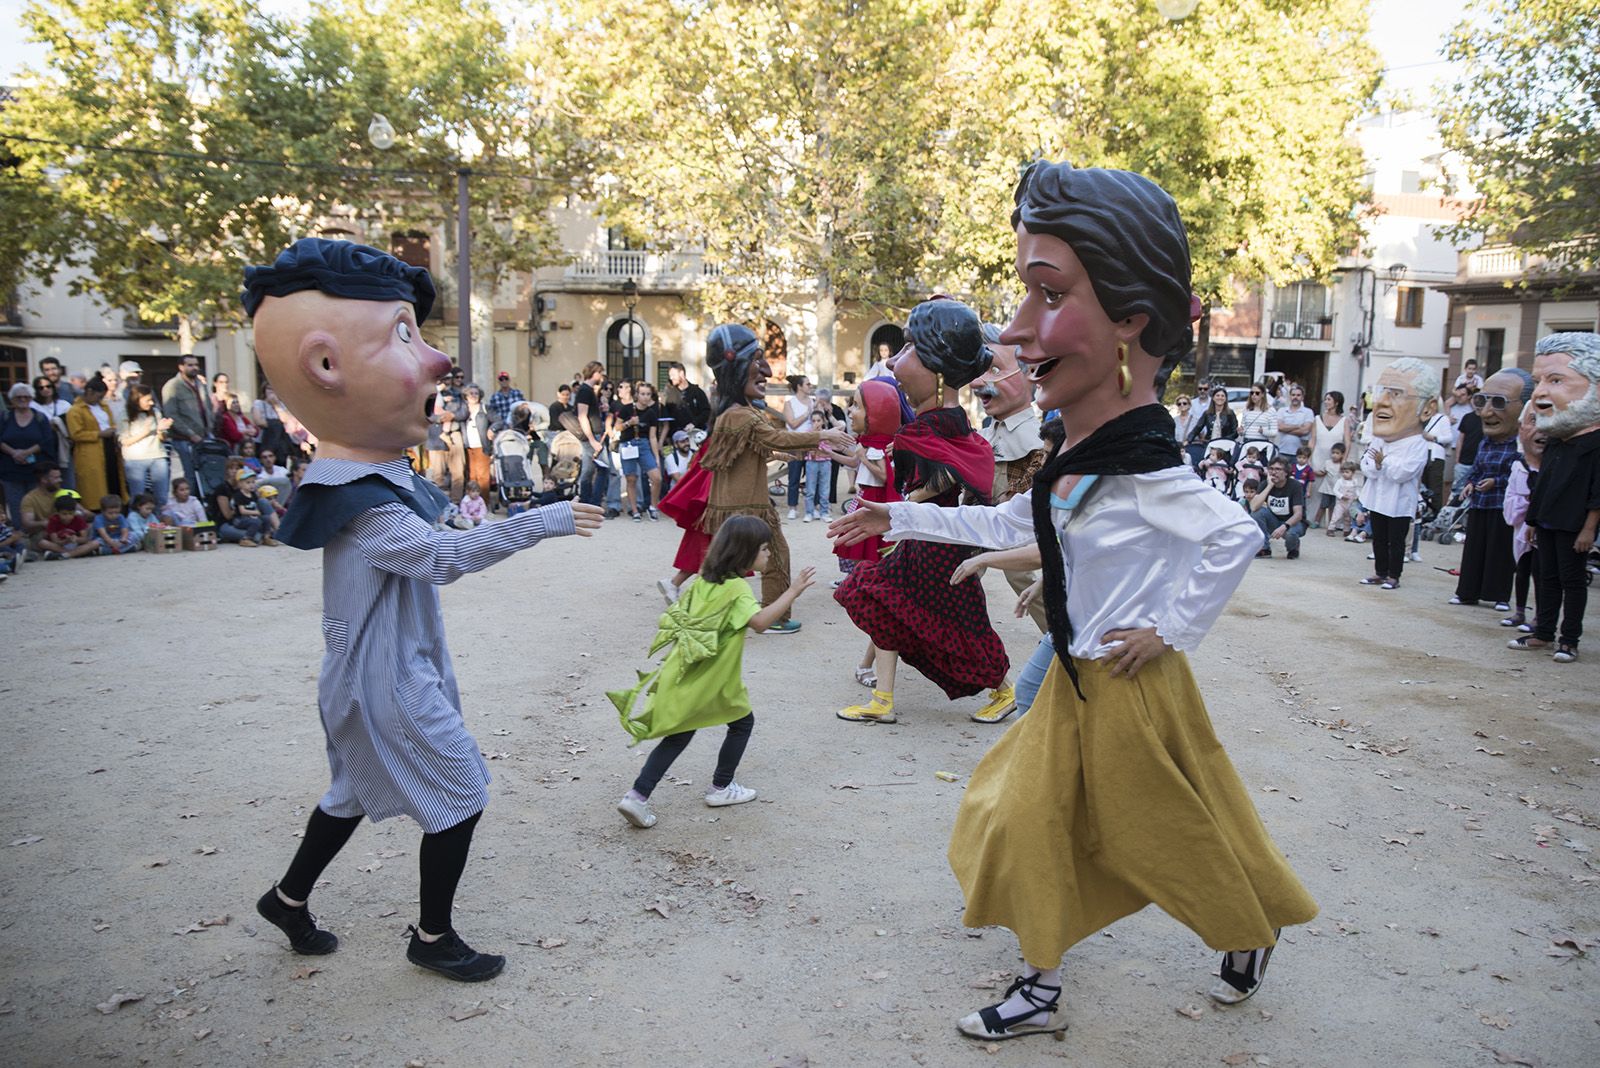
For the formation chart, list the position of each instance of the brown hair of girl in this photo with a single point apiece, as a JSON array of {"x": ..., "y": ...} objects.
[{"x": 734, "y": 550}]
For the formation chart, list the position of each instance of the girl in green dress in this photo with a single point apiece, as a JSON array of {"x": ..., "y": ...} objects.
[{"x": 699, "y": 684}]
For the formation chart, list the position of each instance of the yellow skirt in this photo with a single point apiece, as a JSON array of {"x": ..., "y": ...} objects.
[{"x": 1086, "y": 811}]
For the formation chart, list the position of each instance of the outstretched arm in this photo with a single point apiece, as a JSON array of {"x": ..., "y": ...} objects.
[{"x": 393, "y": 538}]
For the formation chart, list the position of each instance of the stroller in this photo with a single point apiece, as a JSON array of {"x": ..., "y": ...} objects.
[
  {"x": 566, "y": 461},
  {"x": 211, "y": 465},
  {"x": 1448, "y": 525},
  {"x": 516, "y": 474}
]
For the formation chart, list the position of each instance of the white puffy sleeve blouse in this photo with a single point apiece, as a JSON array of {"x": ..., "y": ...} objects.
[{"x": 1160, "y": 550}]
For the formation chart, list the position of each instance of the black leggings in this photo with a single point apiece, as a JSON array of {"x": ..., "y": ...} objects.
[
  {"x": 1388, "y": 544},
  {"x": 1523, "y": 575},
  {"x": 667, "y": 750},
  {"x": 440, "y": 862}
]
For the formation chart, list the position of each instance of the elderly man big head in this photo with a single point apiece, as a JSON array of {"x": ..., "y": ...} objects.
[
  {"x": 1407, "y": 394},
  {"x": 336, "y": 328},
  {"x": 1488, "y": 564},
  {"x": 1564, "y": 507}
]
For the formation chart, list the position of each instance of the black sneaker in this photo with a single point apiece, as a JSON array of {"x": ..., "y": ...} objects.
[
  {"x": 453, "y": 958},
  {"x": 1293, "y": 554},
  {"x": 298, "y": 923}
]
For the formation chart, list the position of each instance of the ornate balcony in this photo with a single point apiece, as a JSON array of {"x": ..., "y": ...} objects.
[{"x": 650, "y": 270}]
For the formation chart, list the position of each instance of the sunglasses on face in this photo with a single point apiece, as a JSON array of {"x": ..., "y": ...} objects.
[
  {"x": 1480, "y": 401},
  {"x": 1255, "y": 393}
]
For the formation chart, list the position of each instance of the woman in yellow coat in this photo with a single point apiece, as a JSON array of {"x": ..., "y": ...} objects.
[{"x": 95, "y": 456}]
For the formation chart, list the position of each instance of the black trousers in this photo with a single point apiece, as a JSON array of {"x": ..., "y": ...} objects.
[
  {"x": 1563, "y": 588},
  {"x": 1487, "y": 565},
  {"x": 668, "y": 749},
  {"x": 1388, "y": 544}
]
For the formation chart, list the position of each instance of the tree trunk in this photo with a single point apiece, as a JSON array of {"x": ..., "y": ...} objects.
[
  {"x": 827, "y": 319},
  {"x": 1202, "y": 347},
  {"x": 185, "y": 336}
]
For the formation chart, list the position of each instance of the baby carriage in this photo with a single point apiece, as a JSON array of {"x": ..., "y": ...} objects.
[
  {"x": 1219, "y": 474},
  {"x": 211, "y": 465},
  {"x": 566, "y": 461},
  {"x": 1448, "y": 525},
  {"x": 516, "y": 474}
]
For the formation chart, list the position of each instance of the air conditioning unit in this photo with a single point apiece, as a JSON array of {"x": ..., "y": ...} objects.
[
  {"x": 1283, "y": 330},
  {"x": 548, "y": 325},
  {"x": 1310, "y": 331}
]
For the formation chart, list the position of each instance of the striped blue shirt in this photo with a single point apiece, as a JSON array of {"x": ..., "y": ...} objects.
[{"x": 397, "y": 744}]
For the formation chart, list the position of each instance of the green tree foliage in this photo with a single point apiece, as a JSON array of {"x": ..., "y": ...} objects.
[
  {"x": 1524, "y": 114},
  {"x": 125, "y": 155}
]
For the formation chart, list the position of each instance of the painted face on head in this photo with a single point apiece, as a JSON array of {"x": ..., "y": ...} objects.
[
  {"x": 1499, "y": 424},
  {"x": 1397, "y": 412},
  {"x": 913, "y": 375},
  {"x": 1530, "y": 437},
  {"x": 1068, "y": 346},
  {"x": 356, "y": 372},
  {"x": 755, "y": 382},
  {"x": 1564, "y": 402},
  {"x": 1004, "y": 389}
]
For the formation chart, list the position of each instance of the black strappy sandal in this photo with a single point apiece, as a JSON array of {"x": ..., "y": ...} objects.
[
  {"x": 1240, "y": 984},
  {"x": 987, "y": 1023}
]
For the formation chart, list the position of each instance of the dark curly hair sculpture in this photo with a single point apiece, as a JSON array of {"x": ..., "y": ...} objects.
[{"x": 948, "y": 337}]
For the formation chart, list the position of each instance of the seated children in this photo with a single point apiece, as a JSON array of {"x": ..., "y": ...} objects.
[
  {"x": 66, "y": 533},
  {"x": 183, "y": 508},
  {"x": 1253, "y": 467},
  {"x": 473, "y": 508},
  {"x": 142, "y": 517},
  {"x": 1247, "y": 491},
  {"x": 111, "y": 528},
  {"x": 1216, "y": 469},
  {"x": 13, "y": 543}
]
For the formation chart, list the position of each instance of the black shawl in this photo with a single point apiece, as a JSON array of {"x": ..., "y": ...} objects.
[{"x": 1134, "y": 443}]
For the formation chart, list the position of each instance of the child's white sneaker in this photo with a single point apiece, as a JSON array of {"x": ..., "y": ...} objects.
[
  {"x": 731, "y": 794},
  {"x": 636, "y": 811}
]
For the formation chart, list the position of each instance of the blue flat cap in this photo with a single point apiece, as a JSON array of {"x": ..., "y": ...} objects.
[{"x": 339, "y": 269}]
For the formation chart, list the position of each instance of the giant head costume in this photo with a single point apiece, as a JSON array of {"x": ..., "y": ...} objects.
[
  {"x": 1105, "y": 259},
  {"x": 1499, "y": 403},
  {"x": 336, "y": 331},
  {"x": 733, "y": 355},
  {"x": 1003, "y": 390},
  {"x": 1566, "y": 392},
  {"x": 1406, "y": 397},
  {"x": 944, "y": 350}
]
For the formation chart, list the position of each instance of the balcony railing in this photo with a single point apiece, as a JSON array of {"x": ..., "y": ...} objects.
[
  {"x": 646, "y": 268},
  {"x": 1496, "y": 262},
  {"x": 1299, "y": 330}
]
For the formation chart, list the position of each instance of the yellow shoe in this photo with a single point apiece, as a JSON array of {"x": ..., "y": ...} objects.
[
  {"x": 879, "y": 710},
  {"x": 1002, "y": 703}
]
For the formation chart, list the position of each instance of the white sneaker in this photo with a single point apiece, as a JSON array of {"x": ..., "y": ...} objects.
[
  {"x": 791, "y": 513},
  {"x": 731, "y": 794},
  {"x": 1415, "y": 558},
  {"x": 807, "y": 519},
  {"x": 1372, "y": 556},
  {"x": 668, "y": 590},
  {"x": 637, "y": 812}
]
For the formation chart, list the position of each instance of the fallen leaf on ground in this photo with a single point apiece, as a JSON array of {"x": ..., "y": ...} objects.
[
  {"x": 552, "y": 943},
  {"x": 159, "y": 862},
  {"x": 201, "y": 1034},
  {"x": 846, "y": 786},
  {"x": 1236, "y": 1058},
  {"x": 116, "y": 1001},
  {"x": 206, "y": 850},
  {"x": 1395, "y": 841},
  {"x": 29, "y": 840},
  {"x": 480, "y": 1009},
  {"x": 304, "y": 973},
  {"x": 1194, "y": 1012},
  {"x": 1500, "y": 1023},
  {"x": 216, "y": 921},
  {"x": 659, "y": 909},
  {"x": 1491, "y": 752},
  {"x": 1501, "y": 1057}
]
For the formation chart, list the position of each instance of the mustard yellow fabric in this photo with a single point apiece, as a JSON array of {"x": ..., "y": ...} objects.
[
  {"x": 1086, "y": 811},
  {"x": 701, "y": 683}
]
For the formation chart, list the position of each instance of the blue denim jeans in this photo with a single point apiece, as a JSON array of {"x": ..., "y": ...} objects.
[
  {"x": 818, "y": 476},
  {"x": 240, "y": 527},
  {"x": 149, "y": 476},
  {"x": 1268, "y": 522},
  {"x": 1033, "y": 672},
  {"x": 796, "y": 469}
]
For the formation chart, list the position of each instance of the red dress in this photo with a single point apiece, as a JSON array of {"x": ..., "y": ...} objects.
[
  {"x": 904, "y": 601},
  {"x": 871, "y": 548}
]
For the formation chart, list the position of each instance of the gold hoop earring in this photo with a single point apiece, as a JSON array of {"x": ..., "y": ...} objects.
[{"x": 1124, "y": 376}]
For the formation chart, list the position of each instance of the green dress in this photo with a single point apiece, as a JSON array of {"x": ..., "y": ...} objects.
[{"x": 699, "y": 684}]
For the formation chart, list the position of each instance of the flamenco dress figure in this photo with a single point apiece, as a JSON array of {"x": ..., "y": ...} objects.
[
  {"x": 1113, "y": 793},
  {"x": 904, "y": 601},
  {"x": 735, "y": 455}
]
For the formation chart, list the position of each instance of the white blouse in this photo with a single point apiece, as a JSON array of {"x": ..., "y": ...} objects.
[
  {"x": 1160, "y": 550},
  {"x": 1392, "y": 489}
]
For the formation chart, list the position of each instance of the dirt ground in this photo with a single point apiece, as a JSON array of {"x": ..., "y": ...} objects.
[{"x": 1438, "y": 793}]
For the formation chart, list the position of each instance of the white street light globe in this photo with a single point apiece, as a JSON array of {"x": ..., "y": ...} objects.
[
  {"x": 1175, "y": 9},
  {"x": 380, "y": 133}
]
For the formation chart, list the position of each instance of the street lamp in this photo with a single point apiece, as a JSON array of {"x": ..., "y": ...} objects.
[
  {"x": 1173, "y": 10},
  {"x": 631, "y": 332}
]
